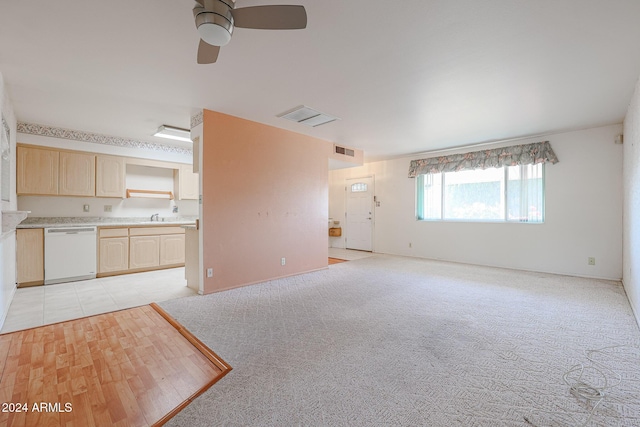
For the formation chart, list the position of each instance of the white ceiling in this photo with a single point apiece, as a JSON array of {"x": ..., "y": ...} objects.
[{"x": 404, "y": 77}]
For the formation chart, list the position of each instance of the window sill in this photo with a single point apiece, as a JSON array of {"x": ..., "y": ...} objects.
[{"x": 480, "y": 221}]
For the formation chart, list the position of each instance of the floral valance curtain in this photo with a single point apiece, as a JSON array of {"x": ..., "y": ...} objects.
[{"x": 508, "y": 156}]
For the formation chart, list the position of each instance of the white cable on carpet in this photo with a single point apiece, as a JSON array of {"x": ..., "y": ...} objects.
[
  {"x": 603, "y": 379},
  {"x": 595, "y": 393}
]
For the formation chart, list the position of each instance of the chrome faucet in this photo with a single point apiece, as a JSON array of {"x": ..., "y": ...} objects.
[{"x": 155, "y": 216}]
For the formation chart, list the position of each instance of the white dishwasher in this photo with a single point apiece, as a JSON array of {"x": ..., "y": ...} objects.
[{"x": 69, "y": 254}]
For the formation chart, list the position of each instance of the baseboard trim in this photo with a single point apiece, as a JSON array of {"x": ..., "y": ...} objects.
[
  {"x": 5, "y": 312},
  {"x": 616, "y": 279},
  {"x": 636, "y": 312},
  {"x": 264, "y": 280}
]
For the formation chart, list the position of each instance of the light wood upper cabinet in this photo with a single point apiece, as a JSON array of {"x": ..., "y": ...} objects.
[
  {"x": 188, "y": 185},
  {"x": 37, "y": 171},
  {"x": 43, "y": 172},
  {"x": 77, "y": 176},
  {"x": 110, "y": 176},
  {"x": 49, "y": 172},
  {"x": 30, "y": 256}
]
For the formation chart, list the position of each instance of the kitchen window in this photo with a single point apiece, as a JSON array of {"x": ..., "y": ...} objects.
[{"x": 507, "y": 193}]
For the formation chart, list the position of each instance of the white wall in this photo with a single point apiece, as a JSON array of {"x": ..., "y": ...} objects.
[
  {"x": 631, "y": 209},
  {"x": 583, "y": 213},
  {"x": 8, "y": 240}
]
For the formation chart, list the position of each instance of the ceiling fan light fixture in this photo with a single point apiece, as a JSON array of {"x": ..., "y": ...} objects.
[
  {"x": 216, "y": 19},
  {"x": 171, "y": 132},
  {"x": 215, "y": 27},
  {"x": 214, "y": 34}
]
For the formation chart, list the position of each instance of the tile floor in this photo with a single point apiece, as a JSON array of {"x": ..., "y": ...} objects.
[
  {"x": 43, "y": 305},
  {"x": 348, "y": 254}
]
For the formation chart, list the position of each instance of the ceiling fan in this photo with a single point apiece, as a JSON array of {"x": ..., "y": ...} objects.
[{"x": 216, "y": 19}]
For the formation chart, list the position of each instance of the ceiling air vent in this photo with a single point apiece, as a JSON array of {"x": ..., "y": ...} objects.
[
  {"x": 307, "y": 116},
  {"x": 346, "y": 151}
]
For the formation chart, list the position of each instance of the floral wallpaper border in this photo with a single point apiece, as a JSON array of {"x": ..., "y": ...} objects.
[
  {"x": 95, "y": 138},
  {"x": 197, "y": 119},
  {"x": 5, "y": 161},
  {"x": 5, "y": 127}
]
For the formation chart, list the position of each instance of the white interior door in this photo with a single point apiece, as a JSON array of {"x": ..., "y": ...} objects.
[{"x": 359, "y": 214}]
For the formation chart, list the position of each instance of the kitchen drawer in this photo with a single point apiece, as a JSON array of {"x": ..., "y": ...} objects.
[
  {"x": 155, "y": 231},
  {"x": 113, "y": 232}
]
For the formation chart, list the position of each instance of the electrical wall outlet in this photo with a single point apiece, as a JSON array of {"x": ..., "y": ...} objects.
[
  {"x": 283, "y": 261},
  {"x": 85, "y": 208},
  {"x": 107, "y": 208},
  {"x": 209, "y": 272},
  {"x": 591, "y": 261},
  {"x": 175, "y": 209},
  {"x": 410, "y": 245}
]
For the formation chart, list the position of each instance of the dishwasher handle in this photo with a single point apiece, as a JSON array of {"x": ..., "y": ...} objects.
[{"x": 72, "y": 230}]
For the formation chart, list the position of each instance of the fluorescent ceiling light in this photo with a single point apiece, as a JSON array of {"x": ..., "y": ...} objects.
[{"x": 171, "y": 132}]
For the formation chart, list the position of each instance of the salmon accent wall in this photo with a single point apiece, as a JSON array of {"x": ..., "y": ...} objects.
[{"x": 265, "y": 196}]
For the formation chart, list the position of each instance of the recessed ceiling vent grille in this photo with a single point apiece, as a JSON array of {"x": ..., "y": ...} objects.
[
  {"x": 346, "y": 151},
  {"x": 307, "y": 116}
]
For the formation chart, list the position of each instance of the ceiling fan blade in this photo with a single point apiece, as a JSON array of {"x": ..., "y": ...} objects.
[
  {"x": 207, "y": 54},
  {"x": 271, "y": 17}
]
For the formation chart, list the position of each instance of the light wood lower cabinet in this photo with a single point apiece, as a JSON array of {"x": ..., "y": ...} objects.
[
  {"x": 144, "y": 252},
  {"x": 114, "y": 255},
  {"x": 172, "y": 249},
  {"x": 134, "y": 249},
  {"x": 30, "y": 256},
  {"x": 113, "y": 250}
]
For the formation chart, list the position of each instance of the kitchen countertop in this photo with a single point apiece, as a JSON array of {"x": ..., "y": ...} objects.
[{"x": 44, "y": 222}]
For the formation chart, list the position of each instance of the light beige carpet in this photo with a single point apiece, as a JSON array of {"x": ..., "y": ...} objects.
[{"x": 400, "y": 341}]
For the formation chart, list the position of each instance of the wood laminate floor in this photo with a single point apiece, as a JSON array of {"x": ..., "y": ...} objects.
[{"x": 134, "y": 367}]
